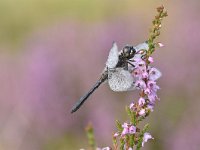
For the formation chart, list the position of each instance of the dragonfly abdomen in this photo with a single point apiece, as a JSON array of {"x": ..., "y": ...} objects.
[{"x": 103, "y": 77}]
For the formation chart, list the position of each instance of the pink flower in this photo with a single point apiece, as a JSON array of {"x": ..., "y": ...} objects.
[
  {"x": 154, "y": 74},
  {"x": 152, "y": 97},
  {"x": 125, "y": 130},
  {"x": 142, "y": 112},
  {"x": 160, "y": 44},
  {"x": 116, "y": 134},
  {"x": 150, "y": 59},
  {"x": 140, "y": 84},
  {"x": 145, "y": 74},
  {"x": 141, "y": 64},
  {"x": 147, "y": 91},
  {"x": 146, "y": 137},
  {"x": 151, "y": 91},
  {"x": 140, "y": 70},
  {"x": 152, "y": 86},
  {"x": 131, "y": 106},
  {"x": 106, "y": 148},
  {"x": 125, "y": 125},
  {"x": 128, "y": 129},
  {"x": 137, "y": 60},
  {"x": 132, "y": 129},
  {"x": 150, "y": 107},
  {"x": 137, "y": 73},
  {"x": 141, "y": 101}
]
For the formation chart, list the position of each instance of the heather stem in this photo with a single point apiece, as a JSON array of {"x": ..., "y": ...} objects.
[
  {"x": 155, "y": 30},
  {"x": 90, "y": 136}
]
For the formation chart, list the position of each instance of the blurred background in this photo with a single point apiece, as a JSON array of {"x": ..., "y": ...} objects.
[{"x": 52, "y": 52}]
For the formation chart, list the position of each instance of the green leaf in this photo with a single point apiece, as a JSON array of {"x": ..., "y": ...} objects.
[{"x": 119, "y": 126}]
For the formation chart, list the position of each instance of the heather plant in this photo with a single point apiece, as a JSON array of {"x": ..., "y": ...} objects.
[{"x": 129, "y": 134}]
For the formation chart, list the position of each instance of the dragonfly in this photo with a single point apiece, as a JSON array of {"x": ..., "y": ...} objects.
[{"x": 117, "y": 71}]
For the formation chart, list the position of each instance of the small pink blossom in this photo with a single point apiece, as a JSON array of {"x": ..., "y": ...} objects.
[
  {"x": 131, "y": 105},
  {"x": 125, "y": 125},
  {"x": 136, "y": 60},
  {"x": 152, "y": 97},
  {"x": 154, "y": 74},
  {"x": 145, "y": 74},
  {"x": 150, "y": 107},
  {"x": 140, "y": 70},
  {"x": 136, "y": 73},
  {"x": 142, "y": 112},
  {"x": 132, "y": 129},
  {"x": 140, "y": 84},
  {"x": 116, "y": 134},
  {"x": 147, "y": 136},
  {"x": 147, "y": 91},
  {"x": 128, "y": 129},
  {"x": 152, "y": 86},
  {"x": 106, "y": 148},
  {"x": 125, "y": 130},
  {"x": 139, "y": 63},
  {"x": 151, "y": 91},
  {"x": 141, "y": 101},
  {"x": 150, "y": 59},
  {"x": 160, "y": 44}
]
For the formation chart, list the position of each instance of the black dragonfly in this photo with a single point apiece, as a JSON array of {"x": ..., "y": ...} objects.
[{"x": 116, "y": 71}]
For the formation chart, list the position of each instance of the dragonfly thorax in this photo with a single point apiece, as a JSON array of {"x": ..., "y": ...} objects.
[{"x": 126, "y": 53}]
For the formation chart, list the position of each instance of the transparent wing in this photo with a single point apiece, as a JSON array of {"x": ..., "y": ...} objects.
[
  {"x": 142, "y": 46},
  {"x": 120, "y": 80},
  {"x": 112, "y": 57}
]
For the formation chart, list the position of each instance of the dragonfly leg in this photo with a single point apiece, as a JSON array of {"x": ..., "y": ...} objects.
[{"x": 130, "y": 63}]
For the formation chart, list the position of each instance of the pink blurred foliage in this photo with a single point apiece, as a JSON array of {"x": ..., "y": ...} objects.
[
  {"x": 186, "y": 135},
  {"x": 40, "y": 86}
]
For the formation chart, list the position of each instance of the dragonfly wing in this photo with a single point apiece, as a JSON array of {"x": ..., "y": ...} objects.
[
  {"x": 141, "y": 46},
  {"x": 113, "y": 57},
  {"x": 120, "y": 80}
]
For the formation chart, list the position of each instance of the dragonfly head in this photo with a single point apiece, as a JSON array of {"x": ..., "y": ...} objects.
[{"x": 128, "y": 52}]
